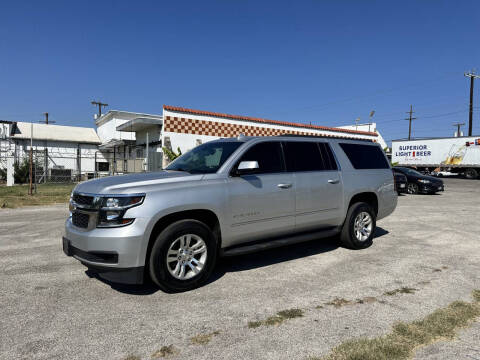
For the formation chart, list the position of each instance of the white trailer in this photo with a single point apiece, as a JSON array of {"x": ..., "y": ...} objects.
[{"x": 454, "y": 154}]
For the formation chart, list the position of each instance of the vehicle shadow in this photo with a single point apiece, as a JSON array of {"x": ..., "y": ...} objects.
[
  {"x": 244, "y": 262},
  {"x": 278, "y": 255}
]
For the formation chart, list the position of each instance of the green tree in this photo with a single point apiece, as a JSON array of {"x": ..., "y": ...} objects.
[
  {"x": 21, "y": 171},
  {"x": 171, "y": 155}
]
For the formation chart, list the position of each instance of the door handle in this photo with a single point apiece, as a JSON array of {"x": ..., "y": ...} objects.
[
  {"x": 333, "y": 181},
  {"x": 284, "y": 186}
]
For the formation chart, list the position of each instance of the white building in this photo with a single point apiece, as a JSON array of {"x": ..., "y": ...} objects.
[
  {"x": 186, "y": 128},
  {"x": 369, "y": 127},
  {"x": 66, "y": 153},
  {"x": 124, "y": 136}
]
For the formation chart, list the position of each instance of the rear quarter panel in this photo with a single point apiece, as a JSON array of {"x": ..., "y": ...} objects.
[{"x": 377, "y": 181}]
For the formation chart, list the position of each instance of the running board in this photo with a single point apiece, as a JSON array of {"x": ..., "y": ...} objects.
[{"x": 278, "y": 242}]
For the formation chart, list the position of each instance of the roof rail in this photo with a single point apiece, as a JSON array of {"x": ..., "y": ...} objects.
[{"x": 324, "y": 136}]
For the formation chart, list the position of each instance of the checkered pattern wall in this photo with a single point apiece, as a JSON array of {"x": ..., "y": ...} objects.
[{"x": 220, "y": 129}]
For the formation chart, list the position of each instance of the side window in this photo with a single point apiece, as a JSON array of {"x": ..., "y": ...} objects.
[
  {"x": 303, "y": 156},
  {"x": 327, "y": 155},
  {"x": 365, "y": 156},
  {"x": 268, "y": 155}
]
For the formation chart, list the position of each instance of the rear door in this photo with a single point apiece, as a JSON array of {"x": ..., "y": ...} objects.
[
  {"x": 261, "y": 204},
  {"x": 318, "y": 184}
]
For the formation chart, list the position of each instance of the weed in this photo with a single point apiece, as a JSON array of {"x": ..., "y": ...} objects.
[
  {"x": 277, "y": 319},
  {"x": 132, "y": 357},
  {"x": 164, "y": 352},
  {"x": 402, "y": 290},
  {"x": 339, "y": 302},
  {"x": 203, "y": 339}
]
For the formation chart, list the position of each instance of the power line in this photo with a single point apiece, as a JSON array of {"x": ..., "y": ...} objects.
[{"x": 375, "y": 93}]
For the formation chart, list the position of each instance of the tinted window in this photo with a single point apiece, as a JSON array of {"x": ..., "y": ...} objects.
[
  {"x": 365, "y": 156},
  {"x": 327, "y": 155},
  {"x": 206, "y": 158},
  {"x": 268, "y": 155},
  {"x": 303, "y": 156}
]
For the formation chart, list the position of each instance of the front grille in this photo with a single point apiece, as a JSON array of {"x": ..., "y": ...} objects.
[
  {"x": 83, "y": 199},
  {"x": 80, "y": 220}
]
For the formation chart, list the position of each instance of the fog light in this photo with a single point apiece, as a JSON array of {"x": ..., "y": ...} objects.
[{"x": 112, "y": 215}]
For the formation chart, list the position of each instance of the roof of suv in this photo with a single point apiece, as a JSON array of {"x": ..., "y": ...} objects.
[{"x": 242, "y": 138}]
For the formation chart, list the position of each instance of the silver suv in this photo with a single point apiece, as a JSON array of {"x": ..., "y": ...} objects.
[{"x": 228, "y": 197}]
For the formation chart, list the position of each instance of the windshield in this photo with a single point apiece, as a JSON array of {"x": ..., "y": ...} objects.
[{"x": 206, "y": 158}]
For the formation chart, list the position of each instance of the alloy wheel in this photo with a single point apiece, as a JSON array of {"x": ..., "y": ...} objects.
[
  {"x": 186, "y": 256},
  {"x": 362, "y": 226}
]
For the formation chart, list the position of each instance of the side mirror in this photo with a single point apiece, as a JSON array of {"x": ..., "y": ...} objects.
[{"x": 247, "y": 167}]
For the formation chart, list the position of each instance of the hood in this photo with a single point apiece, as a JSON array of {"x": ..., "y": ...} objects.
[{"x": 132, "y": 183}]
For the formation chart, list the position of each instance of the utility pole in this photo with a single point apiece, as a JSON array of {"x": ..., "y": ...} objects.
[
  {"x": 458, "y": 128},
  {"x": 46, "y": 119},
  {"x": 410, "y": 118},
  {"x": 472, "y": 77},
  {"x": 99, "y": 104}
]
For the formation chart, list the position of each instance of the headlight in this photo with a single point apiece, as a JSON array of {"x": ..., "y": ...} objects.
[
  {"x": 112, "y": 210},
  {"x": 424, "y": 181}
]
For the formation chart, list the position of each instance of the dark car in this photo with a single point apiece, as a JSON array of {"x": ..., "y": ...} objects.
[
  {"x": 400, "y": 182},
  {"x": 419, "y": 183}
]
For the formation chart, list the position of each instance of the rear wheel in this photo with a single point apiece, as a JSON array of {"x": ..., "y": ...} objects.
[
  {"x": 183, "y": 256},
  {"x": 471, "y": 174},
  {"x": 412, "y": 188},
  {"x": 359, "y": 227}
]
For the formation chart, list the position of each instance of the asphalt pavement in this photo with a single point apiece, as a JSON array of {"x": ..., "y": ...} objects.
[{"x": 425, "y": 255}]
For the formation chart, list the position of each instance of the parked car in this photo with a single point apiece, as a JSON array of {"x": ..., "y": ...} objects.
[
  {"x": 228, "y": 197},
  {"x": 419, "y": 183},
  {"x": 401, "y": 183}
]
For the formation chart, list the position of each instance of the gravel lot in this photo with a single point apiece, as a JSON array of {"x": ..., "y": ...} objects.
[{"x": 51, "y": 309}]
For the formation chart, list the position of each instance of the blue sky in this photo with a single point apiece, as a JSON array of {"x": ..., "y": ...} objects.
[{"x": 325, "y": 62}]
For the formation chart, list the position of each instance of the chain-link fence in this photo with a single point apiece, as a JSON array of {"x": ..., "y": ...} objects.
[{"x": 55, "y": 167}]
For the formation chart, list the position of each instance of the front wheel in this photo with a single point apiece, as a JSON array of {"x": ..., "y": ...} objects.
[
  {"x": 183, "y": 256},
  {"x": 412, "y": 188},
  {"x": 359, "y": 227}
]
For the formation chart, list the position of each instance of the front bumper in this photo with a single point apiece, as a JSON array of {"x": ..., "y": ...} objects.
[
  {"x": 116, "y": 254},
  {"x": 134, "y": 275},
  {"x": 430, "y": 188}
]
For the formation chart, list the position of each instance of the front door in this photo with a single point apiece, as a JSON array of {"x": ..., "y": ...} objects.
[{"x": 262, "y": 204}]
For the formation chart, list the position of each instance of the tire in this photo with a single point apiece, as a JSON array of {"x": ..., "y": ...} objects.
[
  {"x": 348, "y": 236},
  {"x": 167, "y": 273},
  {"x": 471, "y": 174},
  {"x": 412, "y": 188}
]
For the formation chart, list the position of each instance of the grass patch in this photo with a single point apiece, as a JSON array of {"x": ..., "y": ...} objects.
[
  {"x": 402, "y": 290},
  {"x": 17, "y": 195},
  {"x": 203, "y": 339},
  {"x": 165, "y": 351},
  {"x": 401, "y": 343},
  {"x": 277, "y": 319}
]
